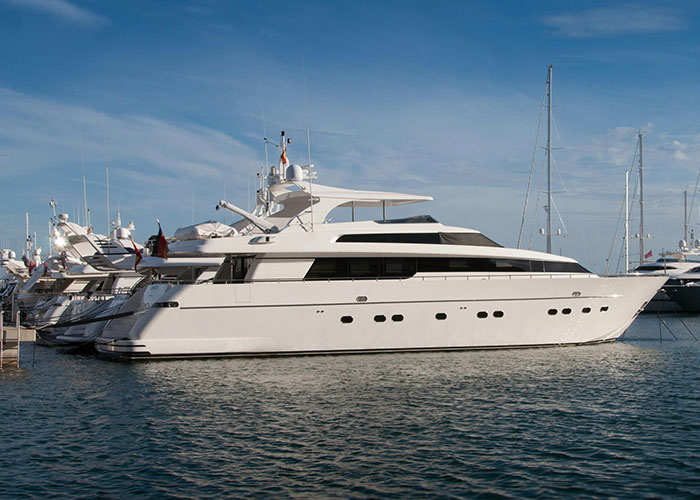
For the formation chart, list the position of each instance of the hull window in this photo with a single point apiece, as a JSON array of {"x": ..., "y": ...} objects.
[
  {"x": 397, "y": 317},
  {"x": 441, "y": 316},
  {"x": 482, "y": 314},
  {"x": 498, "y": 314},
  {"x": 346, "y": 319},
  {"x": 552, "y": 312},
  {"x": 380, "y": 318},
  {"x": 586, "y": 310},
  {"x": 566, "y": 311}
]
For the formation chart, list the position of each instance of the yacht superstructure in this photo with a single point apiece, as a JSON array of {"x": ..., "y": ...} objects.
[{"x": 291, "y": 282}]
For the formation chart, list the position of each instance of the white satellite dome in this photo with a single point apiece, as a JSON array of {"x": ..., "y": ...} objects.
[{"x": 295, "y": 173}]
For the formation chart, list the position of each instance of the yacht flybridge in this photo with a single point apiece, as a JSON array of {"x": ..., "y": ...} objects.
[{"x": 285, "y": 280}]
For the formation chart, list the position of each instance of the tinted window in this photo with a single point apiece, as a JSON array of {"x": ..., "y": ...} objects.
[
  {"x": 365, "y": 268},
  {"x": 472, "y": 239},
  {"x": 328, "y": 268},
  {"x": 404, "y": 267},
  {"x": 399, "y": 267},
  {"x": 564, "y": 267}
]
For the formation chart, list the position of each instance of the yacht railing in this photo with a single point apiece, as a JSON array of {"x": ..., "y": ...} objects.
[{"x": 422, "y": 278}]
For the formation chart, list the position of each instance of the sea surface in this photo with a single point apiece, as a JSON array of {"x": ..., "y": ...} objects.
[{"x": 617, "y": 420}]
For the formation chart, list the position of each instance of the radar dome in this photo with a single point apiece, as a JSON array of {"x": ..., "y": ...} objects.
[{"x": 295, "y": 173}]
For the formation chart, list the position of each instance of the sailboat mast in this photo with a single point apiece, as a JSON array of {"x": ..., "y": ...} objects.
[
  {"x": 82, "y": 160},
  {"x": 641, "y": 200},
  {"x": 28, "y": 242},
  {"x": 549, "y": 159},
  {"x": 107, "y": 176},
  {"x": 685, "y": 216},
  {"x": 627, "y": 221}
]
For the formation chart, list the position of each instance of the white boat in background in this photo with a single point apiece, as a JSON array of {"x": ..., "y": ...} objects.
[{"x": 292, "y": 282}]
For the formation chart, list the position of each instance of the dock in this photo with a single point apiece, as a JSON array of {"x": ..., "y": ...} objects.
[{"x": 11, "y": 338}]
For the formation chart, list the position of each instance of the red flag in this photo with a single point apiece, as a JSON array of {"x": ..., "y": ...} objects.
[
  {"x": 137, "y": 252},
  {"x": 648, "y": 254},
  {"x": 160, "y": 249},
  {"x": 32, "y": 265},
  {"x": 283, "y": 157}
]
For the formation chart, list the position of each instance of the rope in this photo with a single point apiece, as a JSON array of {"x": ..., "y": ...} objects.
[{"x": 532, "y": 166}]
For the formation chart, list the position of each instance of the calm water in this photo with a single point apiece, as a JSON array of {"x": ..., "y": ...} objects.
[{"x": 618, "y": 420}]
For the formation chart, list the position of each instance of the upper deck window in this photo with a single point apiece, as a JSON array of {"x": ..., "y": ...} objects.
[
  {"x": 416, "y": 219},
  {"x": 654, "y": 267},
  {"x": 471, "y": 239},
  {"x": 405, "y": 267}
]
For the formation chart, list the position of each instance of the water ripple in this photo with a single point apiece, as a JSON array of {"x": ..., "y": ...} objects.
[{"x": 617, "y": 420}]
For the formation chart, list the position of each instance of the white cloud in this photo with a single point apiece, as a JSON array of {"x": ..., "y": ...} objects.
[
  {"x": 62, "y": 9},
  {"x": 615, "y": 21},
  {"x": 155, "y": 166},
  {"x": 679, "y": 151}
]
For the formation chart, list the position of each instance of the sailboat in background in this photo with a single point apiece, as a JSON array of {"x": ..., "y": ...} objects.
[
  {"x": 550, "y": 206},
  {"x": 682, "y": 266}
]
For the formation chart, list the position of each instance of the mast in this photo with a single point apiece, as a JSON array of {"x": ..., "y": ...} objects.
[
  {"x": 627, "y": 221},
  {"x": 28, "y": 244},
  {"x": 685, "y": 217},
  {"x": 82, "y": 159},
  {"x": 641, "y": 200},
  {"x": 549, "y": 159},
  {"x": 109, "y": 228}
]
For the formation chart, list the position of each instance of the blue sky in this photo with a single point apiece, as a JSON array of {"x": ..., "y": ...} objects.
[{"x": 438, "y": 98}]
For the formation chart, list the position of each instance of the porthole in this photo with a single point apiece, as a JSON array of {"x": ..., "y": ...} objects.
[
  {"x": 441, "y": 316},
  {"x": 380, "y": 318},
  {"x": 482, "y": 314},
  {"x": 498, "y": 314},
  {"x": 346, "y": 319},
  {"x": 586, "y": 310},
  {"x": 604, "y": 309},
  {"x": 552, "y": 312},
  {"x": 566, "y": 310},
  {"x": 397, "y": 317}
]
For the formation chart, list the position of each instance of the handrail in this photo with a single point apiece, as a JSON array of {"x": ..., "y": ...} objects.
[{"x": 442, "y": 277}]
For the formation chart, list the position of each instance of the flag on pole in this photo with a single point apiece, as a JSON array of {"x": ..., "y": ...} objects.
[
  {"x": 283, "y": 158},
  {"x": 160, "y": 249},
  {"x": 648, "y": 254},
  {"x": 137, "y": 252}
]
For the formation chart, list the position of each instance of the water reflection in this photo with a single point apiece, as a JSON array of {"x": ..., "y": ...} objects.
[{"x": 608, "y": 420}]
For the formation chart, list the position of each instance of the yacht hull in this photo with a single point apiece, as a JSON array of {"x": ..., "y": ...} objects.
[
  {"x": 687, "y": 296},
  {"x": 419, "y": 313}
]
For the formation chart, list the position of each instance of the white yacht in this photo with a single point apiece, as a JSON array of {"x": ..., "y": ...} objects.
[{"x": 291, "y": 282}]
